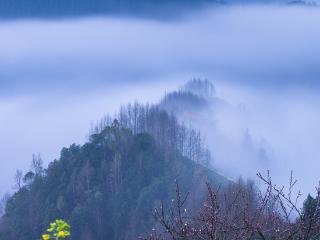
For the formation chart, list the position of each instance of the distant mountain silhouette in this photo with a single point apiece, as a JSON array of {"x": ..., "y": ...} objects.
[{"x": 10, "y": 9}]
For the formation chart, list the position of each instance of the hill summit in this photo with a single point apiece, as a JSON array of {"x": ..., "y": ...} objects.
[{"x": 108, "y": 187}]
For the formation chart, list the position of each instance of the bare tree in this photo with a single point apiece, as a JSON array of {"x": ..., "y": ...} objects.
[
  {"x": 18, "y": 179},
  {"x": 164, "y": 127},
  {"x": 241, "y": 212},
  {"x": 37, "y": 164}
]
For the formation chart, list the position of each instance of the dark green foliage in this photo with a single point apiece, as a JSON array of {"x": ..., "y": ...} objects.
[
  {"x": 106, "y": 188},
  {"x": 311, "y": 213},
  {"x": 310, "y": 207}
]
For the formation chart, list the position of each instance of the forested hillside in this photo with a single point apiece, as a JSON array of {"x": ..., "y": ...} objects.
[
  {"x": 170, "y": 134},
  {"x": 144, "y": 173},
  {"x": 108, "y": 187},
  {"x": 195, "y": 96}
]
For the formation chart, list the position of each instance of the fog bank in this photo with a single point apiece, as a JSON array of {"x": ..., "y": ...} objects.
[{"x": 58, "y": 76}]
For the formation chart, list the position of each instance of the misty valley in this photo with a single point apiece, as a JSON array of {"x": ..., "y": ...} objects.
[{"x": 159, "y": 120}]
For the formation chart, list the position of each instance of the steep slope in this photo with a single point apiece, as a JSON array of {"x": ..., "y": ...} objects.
[{"x": 106, "y": 188}]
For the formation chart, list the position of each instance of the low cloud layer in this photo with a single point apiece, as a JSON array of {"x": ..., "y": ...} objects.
[
  {"x": 256, "y": 130},
  {"x": 257, "y": 45},
  {"x": 58, "y": 76}
]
